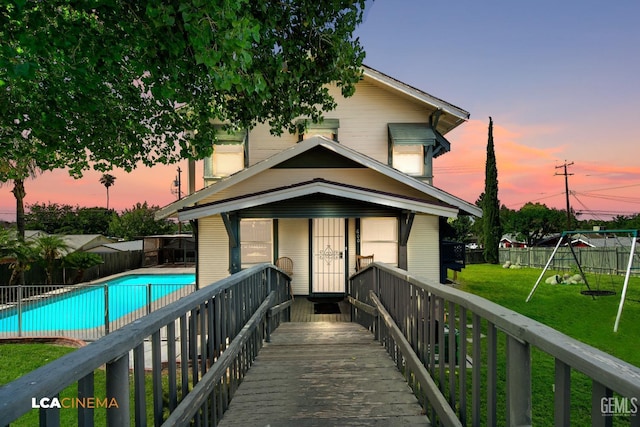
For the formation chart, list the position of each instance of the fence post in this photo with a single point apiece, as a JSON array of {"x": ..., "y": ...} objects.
[
  {"x": 106, "y": 309},
  {"x": 19, "y": 310},
  {"x": 148, "y": 298}
]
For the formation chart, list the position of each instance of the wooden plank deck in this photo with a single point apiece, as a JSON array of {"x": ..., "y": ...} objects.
[
  {"x": 323, "y": 374},
  {"x": 302, "y": 310}
]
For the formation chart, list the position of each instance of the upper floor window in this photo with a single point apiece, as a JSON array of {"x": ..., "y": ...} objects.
[
  {"x": 412, "y": 147},
  {"x": 327, "y": 128},
  {"x": 229, "y": 154}
]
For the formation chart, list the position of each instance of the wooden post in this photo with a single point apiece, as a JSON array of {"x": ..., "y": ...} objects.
[
  {"x": 118, "y": 389},
  {"x": 518, "y": 382}
]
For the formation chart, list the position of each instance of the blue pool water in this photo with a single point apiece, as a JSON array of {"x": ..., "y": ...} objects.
[{"x": 85, "y": 308}]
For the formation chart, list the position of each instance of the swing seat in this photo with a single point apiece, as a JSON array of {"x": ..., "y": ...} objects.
[{"x": 597, "y": 293}]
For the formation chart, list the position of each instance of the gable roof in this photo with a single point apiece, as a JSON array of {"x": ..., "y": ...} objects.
[{"x": 339, "y": 150}]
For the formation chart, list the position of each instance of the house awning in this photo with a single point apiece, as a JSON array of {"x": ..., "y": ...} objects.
[{"x": 418, "y": 134}]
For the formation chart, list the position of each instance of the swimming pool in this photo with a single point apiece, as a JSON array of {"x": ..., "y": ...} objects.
[{"x": 84, "y": 308}]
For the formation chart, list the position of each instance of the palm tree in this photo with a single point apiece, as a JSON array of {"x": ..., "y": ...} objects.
[
  {"x": 49, "y": 249},
  {"x": 107, "y": 180}
]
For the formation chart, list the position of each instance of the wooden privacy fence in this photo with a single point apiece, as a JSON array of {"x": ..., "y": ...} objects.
[
  {"x": 605, "y": 260},
  {"x": 211, "y": 338},
  {"x": 469, "y": 361}
]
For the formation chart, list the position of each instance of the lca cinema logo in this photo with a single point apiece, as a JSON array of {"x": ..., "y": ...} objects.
[
  {"x": 73, "y": 402},
  {"x": 619, "y": 406}
]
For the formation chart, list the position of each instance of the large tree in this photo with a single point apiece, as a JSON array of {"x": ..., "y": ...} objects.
[
  {"x": 490, "y": 203},
  {"x": 139, "y": 221},
  {"x": 533, "y": 222},
  {"x": 112, "y": 83}
]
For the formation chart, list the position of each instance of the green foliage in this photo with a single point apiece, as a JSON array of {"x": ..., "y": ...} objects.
[
  {"x": 81, "y": 262},
  {"x": 533, "y": 222},
  {"x": 114, "y": 83},
  {"x": 49, "y": 249},
  {"x": 462, "y": 227},
  {"x": 20, "y": 254},
  {"x": 139, "y": 221},
  {"x": 492, "y": 231},
  {"x": 54, "y": 218}
]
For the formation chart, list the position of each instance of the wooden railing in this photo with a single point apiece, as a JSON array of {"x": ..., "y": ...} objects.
[
  {"x": 486, "y": 375},
  {"x": 208, "y": 340}
]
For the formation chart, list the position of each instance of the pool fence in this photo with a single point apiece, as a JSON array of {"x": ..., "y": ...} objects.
[{"x": 86, "y": 312}]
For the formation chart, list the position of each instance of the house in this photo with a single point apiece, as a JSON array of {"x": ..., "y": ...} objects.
[
  {"x": 127, "y": 246},
  {"x": 358, "y": 183},
  {"x": 84, "y": 242},
  {"x": 510, "y": 241}
]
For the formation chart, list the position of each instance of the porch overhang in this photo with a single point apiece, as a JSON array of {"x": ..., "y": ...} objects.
[{"x": 321, "y": 187}]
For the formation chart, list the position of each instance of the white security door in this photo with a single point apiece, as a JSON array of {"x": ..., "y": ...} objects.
[{"x": 329, "y": 255}]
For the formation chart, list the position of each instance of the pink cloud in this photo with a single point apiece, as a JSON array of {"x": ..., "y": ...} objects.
[{"x": 529, "y": 172}]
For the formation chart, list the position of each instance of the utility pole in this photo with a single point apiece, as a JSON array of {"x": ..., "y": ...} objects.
[
  {"x": 177, "y": 183},
  {"x": 566, "y": 189}
]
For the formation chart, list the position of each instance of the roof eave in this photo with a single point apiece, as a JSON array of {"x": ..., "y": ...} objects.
[{"x": 363, "y": 195}]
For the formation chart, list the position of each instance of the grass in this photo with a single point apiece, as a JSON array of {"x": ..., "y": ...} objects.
[
  {"x": 564, "y": 308},
  {"x": 18, "y": 359}
]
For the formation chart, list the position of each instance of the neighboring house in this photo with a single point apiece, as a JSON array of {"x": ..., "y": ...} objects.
[
  {"x": 509, "y": 241},
  {"x": 359, "y": 183},
  {"x": 128, "y": 246},
  {"x": 85, "y": 242}
]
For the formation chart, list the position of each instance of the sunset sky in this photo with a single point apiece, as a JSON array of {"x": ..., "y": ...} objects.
[{"x": 561, "y": 81}]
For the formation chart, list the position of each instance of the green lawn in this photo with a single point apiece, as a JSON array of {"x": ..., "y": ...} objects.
[
  {"x": 18, "y": 359},
  {"x": 563, "y": 307}
]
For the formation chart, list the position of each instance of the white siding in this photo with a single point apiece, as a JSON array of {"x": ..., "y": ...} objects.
[
  {"x": 363, "y": 122},
  {"x": 423, "y": 249},
  {"x": 293, "y": 242},
  {"x": 213, "y": 250}
]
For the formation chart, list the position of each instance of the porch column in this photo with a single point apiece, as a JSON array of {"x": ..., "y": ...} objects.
[
  {"x": 406, "y": 222},
  {"x": 232, "y": 225}
]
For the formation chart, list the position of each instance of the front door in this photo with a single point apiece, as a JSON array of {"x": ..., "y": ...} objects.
[{"x": 329, "y": 257}]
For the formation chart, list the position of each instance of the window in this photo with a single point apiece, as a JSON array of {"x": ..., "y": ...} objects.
[
  {"x": 256, "y": 241},
  {"x": 327, "y": 128},
  {"x": 409, "y": 159},
  {"x": 227, "y": 159},
  {"x": 412, "y": 147},
  {"x": 229, "y": 154},
  {"x": 379, "y": 237}
]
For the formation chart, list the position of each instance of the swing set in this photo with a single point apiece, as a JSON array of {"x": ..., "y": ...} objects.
[{"x": 566, "y": 237}]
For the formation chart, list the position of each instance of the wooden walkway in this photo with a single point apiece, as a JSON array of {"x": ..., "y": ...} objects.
[
  {"x": 302, "y": 310},
  {"x": 323, "y": 374}
]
